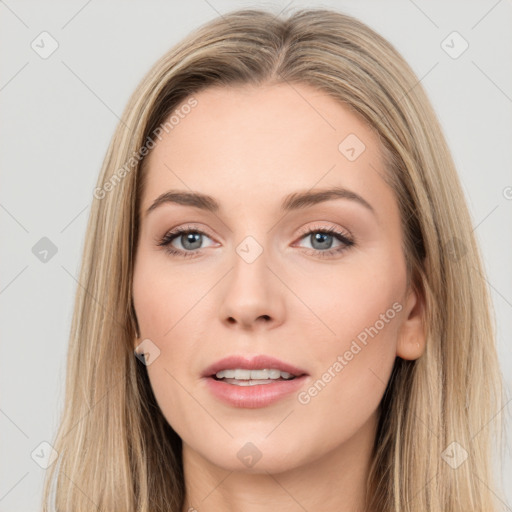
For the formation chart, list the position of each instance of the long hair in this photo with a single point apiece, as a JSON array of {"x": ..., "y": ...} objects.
[{"x": 439, "y": 413}]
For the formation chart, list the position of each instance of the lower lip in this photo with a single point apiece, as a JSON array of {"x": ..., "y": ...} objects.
[{"x": 252, "y": 397}]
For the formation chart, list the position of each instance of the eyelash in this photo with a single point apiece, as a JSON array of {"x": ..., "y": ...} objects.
[{"x": 342, "y": 237}]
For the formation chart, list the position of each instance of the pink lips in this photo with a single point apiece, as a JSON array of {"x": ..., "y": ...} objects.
[
  {"x": 253, "y": 363},
  {"x": 256, "y": 396}
]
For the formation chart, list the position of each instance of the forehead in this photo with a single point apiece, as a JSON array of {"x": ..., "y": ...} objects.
[{"x": 254, "y": 143}]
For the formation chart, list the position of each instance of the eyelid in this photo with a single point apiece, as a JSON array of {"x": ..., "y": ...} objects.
[
  {"x": 306, "y": 230},
  {"x": 180, "y": 228}
]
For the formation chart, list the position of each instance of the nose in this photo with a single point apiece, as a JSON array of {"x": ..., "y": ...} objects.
[{"x": 253, "y": 295}]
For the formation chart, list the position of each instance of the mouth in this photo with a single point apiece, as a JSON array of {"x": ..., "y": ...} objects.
[
  {"x": 242, "y": 377},
  {"x": 252, "y": 382},
  {"x": 258, "y": 367}
]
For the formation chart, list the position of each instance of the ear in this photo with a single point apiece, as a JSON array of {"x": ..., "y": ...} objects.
[{"x": 411, "y": 338}]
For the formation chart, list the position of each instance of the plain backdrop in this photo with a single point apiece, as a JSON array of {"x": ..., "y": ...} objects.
[{"x": 59, "y": 112}]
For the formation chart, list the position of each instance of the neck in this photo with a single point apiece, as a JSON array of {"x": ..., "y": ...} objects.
[{"x": 336, "y": 481}]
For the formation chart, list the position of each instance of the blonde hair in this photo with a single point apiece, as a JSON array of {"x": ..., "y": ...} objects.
[{"x": 117, "y": 451}]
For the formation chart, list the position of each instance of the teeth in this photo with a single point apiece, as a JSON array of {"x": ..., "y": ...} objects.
[
  {"x": 264, "y": 374},
  {"x": 248, "y": 382}
]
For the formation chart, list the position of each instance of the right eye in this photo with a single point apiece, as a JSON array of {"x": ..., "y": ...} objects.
[{"x": 189, "y": 239}]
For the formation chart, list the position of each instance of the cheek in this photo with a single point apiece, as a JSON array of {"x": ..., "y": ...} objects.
[
  {"x": 345, "y": 300},
  {"x": 162, "y": 296},
  {"x": 353, "y": 369},
  {"x": 358, "y": 313},
  {"x": 164, "y": 302}
]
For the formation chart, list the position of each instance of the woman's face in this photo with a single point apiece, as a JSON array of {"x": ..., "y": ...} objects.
[{"x": 269, "y": 267}]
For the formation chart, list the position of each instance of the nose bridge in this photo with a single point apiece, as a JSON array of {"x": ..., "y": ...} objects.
[{"x": 251, "y": 266}]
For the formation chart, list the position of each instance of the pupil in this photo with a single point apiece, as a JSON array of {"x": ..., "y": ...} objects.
[
  {"x": 321, "y": 237},
  {"x": 191, "y": 238}
]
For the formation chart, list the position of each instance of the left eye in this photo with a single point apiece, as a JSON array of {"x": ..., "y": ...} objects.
[{"x": 323, "y": 239}]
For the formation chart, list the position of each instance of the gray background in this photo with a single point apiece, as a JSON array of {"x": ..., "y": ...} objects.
[{"x": 59, "y": 113}]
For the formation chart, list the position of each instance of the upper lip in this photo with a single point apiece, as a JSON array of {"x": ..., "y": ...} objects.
[{"x": 255, "y": 362}]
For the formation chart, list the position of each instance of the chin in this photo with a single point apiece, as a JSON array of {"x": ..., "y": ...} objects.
[{"x": 255, "y": 457}]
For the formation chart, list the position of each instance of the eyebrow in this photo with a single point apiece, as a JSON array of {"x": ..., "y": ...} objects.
[{"x": 294, "y": 201}]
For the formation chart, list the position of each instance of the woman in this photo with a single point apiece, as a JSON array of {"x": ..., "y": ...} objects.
[{"x": 218, "y": 363}]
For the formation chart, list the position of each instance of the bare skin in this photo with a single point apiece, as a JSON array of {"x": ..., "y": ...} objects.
[{"x": 299, "y": 300}]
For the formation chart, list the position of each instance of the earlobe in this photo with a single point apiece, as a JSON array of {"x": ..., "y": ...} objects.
[{"x": 411, "y": 338}]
